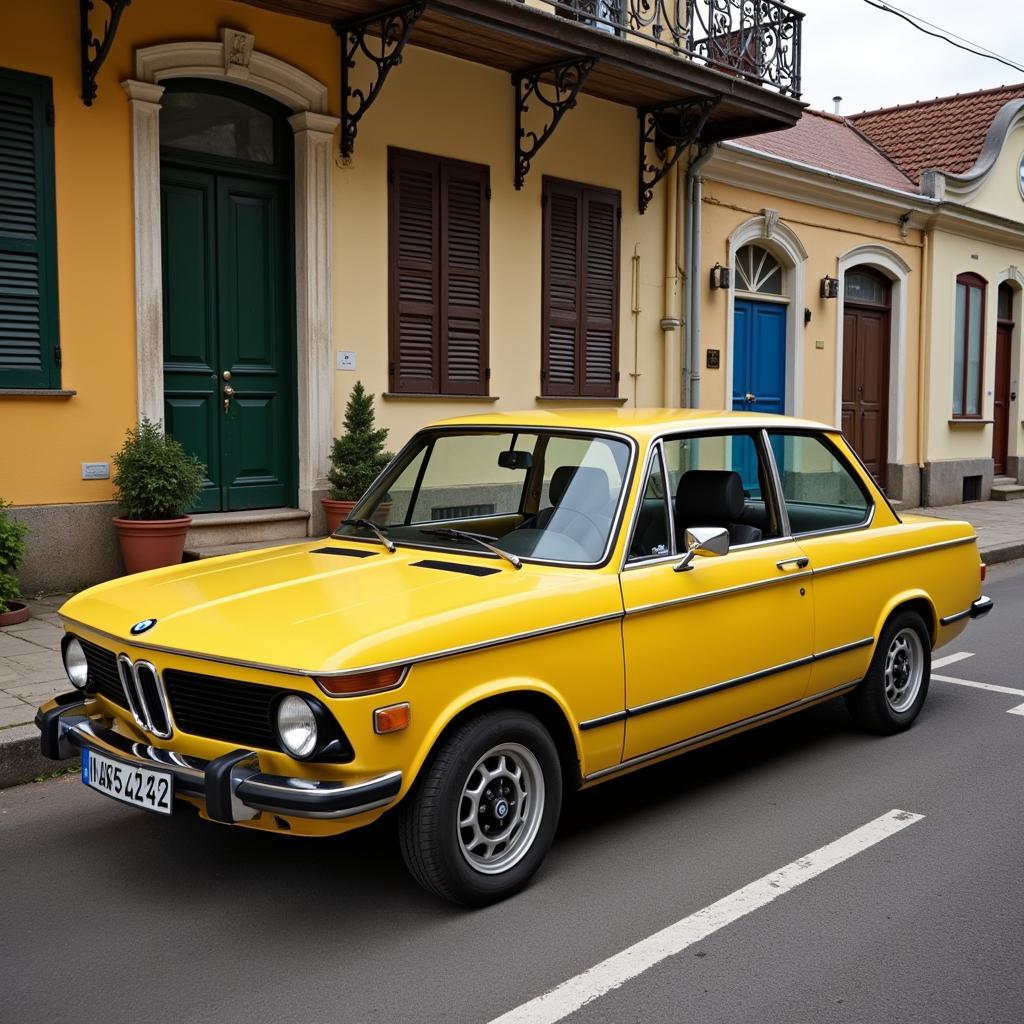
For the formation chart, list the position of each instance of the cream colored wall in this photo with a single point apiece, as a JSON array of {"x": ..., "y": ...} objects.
[
  {"x": 46, "y": 439},
  {"x": 953, "y": 255},
  {"x": 826, "y": 235},
  {"x": 440, "y": 105},
  {"x": 1001, "y": 193}
]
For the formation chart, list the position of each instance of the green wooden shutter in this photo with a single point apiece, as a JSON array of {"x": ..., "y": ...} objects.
[
  {"x": 29, "y": 340},
  {"x": 599, "y": 310}
]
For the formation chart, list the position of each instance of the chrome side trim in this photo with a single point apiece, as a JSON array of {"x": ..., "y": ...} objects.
[
  {"x": 907, "y": 553},
  {"x": 704, "y": 691},
  {"x": 314, "y": 673},
  {"x": 725, "y": 730},
  {"x": 980, "y": 607},
  {"x": 724, "y": 592},
  {"x": 948, "y": 620}
]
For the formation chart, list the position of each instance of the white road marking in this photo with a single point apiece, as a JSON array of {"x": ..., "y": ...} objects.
[
  {"x": 602, "y": 978},
  {"x": 951, "y": 659},
  {"x": 980, "y": 686},
  {"x": 1018, "y": 710}
]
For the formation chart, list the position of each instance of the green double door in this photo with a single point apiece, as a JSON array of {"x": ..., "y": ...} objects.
[{"x": 229, "y": 349}]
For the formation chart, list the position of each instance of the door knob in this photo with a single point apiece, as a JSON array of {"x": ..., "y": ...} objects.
[
  {"x": 750, "y": 397},
  {"x": 228, "y": 392}
]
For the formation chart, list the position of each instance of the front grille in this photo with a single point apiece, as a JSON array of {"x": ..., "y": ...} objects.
[
  {"x": 223, "y": 709},
  {"x": 103, "y": 673}
]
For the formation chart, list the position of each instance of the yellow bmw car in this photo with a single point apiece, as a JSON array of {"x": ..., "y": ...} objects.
[{"x": 519, "y": 605}]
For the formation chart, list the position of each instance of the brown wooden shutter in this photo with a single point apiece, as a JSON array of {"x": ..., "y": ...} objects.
[
  {"x": 414, "y": 294},
  {"x": 599, "y": 321},
  {"x": 464, "y": 278},
  {"x": 580, "y": 291}
]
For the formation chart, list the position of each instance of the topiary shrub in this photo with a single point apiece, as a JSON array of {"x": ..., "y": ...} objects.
[
  {"x": 12, "y": 551},
  {"x": 358, "y": 456},
  {"x": 154, "y": 478}
]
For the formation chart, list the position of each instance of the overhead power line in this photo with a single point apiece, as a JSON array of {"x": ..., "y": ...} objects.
[{"x": 945, "y": 35}]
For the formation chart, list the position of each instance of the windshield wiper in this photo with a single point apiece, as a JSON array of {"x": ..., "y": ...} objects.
[
  {"x": 464, "y": 535},
  {"x": 369, "y": 525}
]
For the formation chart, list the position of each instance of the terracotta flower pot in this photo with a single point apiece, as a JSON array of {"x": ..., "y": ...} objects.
[
  {"x": 151, "y": 543},
  {"x": 336, "y": 511},
  {"x": 17, "y": 611}
]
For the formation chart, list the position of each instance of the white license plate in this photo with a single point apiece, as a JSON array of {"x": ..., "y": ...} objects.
[{"x": 139, "y": 786}]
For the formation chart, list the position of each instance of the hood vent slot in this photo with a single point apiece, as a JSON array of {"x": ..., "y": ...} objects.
[
  {"x": 467, "y": 570},
  {"x": 351, "y": 552}
]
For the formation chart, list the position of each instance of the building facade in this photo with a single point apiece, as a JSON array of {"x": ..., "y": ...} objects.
[{"x": 219, "y": 215}]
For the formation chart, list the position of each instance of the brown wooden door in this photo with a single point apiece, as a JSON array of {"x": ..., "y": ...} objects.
[
  {"x": 866, "y": 384},
  {"x": 1001, "y": 411}
]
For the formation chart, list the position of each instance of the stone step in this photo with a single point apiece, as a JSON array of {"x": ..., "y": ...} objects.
[
  {"x": 259, "y": 528},
  {"x": 998, "y": 481},
  {"x": 1007, "y": 492}
]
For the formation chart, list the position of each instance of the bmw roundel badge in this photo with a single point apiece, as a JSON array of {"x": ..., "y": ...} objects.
[{"x": 141, "y": 627}]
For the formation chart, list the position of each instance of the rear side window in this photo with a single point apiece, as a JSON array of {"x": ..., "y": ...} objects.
[{"x": 818, "y": 488}]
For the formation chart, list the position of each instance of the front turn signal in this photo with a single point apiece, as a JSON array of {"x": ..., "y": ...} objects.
[
  {"x": 373, "y": 681},
  {"x": 391, "y": 719}
]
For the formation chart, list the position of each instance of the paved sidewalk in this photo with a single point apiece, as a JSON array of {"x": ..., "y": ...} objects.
[{"x": 31, "y": 671}]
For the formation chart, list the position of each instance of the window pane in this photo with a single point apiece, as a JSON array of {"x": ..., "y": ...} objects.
[
  {"x": 716, "y": 481},
  {"x": 974, "y": 323},
  {"x": 651, "y": 534},
  {"x": 959, "y": 347},
  {"x": 216, "y": 125},
  {"x": 1005, "y": 302},
  {"x": 863, "y": 287},
  {"x": 820, "y": 492},
  {"x": 757, "y": 270}
]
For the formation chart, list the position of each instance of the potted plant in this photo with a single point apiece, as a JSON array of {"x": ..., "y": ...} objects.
[
  {"x": 357, "y": 457},
  {"x": 155, "y": 481},
  {"x": 12, "y": 550}
]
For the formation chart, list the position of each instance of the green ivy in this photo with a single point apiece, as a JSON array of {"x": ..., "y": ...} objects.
[
  {"x": 358, "y": 456},
  {"x": 154, "y": 478},
  {"x": 12, "y": 551}
]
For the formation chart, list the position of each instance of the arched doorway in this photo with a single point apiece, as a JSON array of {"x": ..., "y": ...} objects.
[
  {"x": 760, "y": 310},
  {"x": 867, "y": 310},
  {"x": 226, "y": 166}
]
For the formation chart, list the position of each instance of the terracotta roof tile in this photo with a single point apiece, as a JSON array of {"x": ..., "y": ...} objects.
[
  {"x": 944, "y": 134},
  {"x": 831, "y": 143}
]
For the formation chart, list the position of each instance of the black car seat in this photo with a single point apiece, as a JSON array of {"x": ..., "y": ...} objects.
[{"x": 713, "y": 497}]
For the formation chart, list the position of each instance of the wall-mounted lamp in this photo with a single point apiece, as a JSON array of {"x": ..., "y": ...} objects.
[
  {"x": 807, "y": 316},
  {"x": 829, "y": 287},
  {"x": 719, "y": 276}
]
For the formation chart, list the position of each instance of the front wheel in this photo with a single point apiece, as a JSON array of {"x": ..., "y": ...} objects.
[
  {"x": 893, "y": 692},
  {"x": 485, "y": 809}
]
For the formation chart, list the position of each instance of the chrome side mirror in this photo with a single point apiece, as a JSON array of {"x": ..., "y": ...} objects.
[{"x": 703, "y": 540}]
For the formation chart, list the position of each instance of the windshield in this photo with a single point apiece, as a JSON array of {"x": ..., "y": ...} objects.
[{"x": 537, "y": 494}]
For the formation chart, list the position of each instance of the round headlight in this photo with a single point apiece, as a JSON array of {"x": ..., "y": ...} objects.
[
  {"x": 296, "y": 726},
  {"x": 75, "y": 664}
]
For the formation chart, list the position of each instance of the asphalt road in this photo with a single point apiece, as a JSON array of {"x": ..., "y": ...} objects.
[{"x": 109, "y": 914}]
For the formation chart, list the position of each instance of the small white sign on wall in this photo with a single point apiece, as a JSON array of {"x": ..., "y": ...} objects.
[
  {"x": 346, "y": 360},
  {"x": 95, "y": 470}
]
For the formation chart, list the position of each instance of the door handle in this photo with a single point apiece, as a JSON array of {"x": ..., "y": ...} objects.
[
  {"x": 800, "y": 563},
  {"x": 228, "y": 392},
  {"x": 750, "y": 397}
]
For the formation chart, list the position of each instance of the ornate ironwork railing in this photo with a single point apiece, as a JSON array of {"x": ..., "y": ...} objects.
[{"x": 754, "y": 39}]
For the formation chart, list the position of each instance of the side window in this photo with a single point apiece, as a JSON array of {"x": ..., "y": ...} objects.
[
  {"x": 818, "y": 488},
  {"x": 720, "y": 480},
  {"x": 651, "y": 536}
]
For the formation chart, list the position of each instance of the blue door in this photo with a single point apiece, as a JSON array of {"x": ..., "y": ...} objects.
[{"x": 759, "y": 366}]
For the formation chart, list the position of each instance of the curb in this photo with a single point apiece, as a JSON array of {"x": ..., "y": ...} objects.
[
  {"x": 1002, "y": 553},
  {"x": 20, "y": 759}
]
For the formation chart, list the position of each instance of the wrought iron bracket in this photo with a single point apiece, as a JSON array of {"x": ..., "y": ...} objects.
[
  {"x": 94, "y": 49},
  {"x": 381, "y": 39},
  {"x": 669, "y": 129},
  {"x": 556, "y": 87}
]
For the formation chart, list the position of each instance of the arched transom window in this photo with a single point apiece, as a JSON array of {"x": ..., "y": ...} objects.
[{"x": 757, "y": 270}]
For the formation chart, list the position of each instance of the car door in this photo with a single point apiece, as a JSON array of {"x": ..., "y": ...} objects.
[
  {"x": 730, "y": 638},
  {"x": 830, "y": 507}
]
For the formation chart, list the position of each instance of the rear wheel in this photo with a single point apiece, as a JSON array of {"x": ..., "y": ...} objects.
[
  {"x": 485, "y": 809},
  {"x": 894, "y": 690}
]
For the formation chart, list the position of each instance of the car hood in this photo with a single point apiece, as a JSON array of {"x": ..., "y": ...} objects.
[{"x": 301, "y": 609}]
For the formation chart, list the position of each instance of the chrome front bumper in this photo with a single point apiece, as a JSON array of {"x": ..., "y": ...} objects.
[{"x": 232, "y": 786}]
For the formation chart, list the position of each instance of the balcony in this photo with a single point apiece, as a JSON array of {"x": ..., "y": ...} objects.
[{"x": 745, "y": 54}]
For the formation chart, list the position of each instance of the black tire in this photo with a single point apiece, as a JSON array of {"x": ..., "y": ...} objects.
[
  {"x": 439, "y": 853},
  {"x": 880, "y": 704}
]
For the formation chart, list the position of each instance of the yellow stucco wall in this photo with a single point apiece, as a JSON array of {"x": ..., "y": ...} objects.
[
  {"x": 431, "y": 103},
  {"x": 826, "y": 235}
]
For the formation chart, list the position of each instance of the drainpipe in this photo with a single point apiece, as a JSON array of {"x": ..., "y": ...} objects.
[
  {"x": 923, "y": 356},
  {"x": 694, "y": 194},
  {"x": 670, "y": 322}
]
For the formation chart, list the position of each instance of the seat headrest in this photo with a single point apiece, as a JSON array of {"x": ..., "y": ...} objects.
[
  {"x": 587, "y": 487},
  {"x": 713, "y": 495}
]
